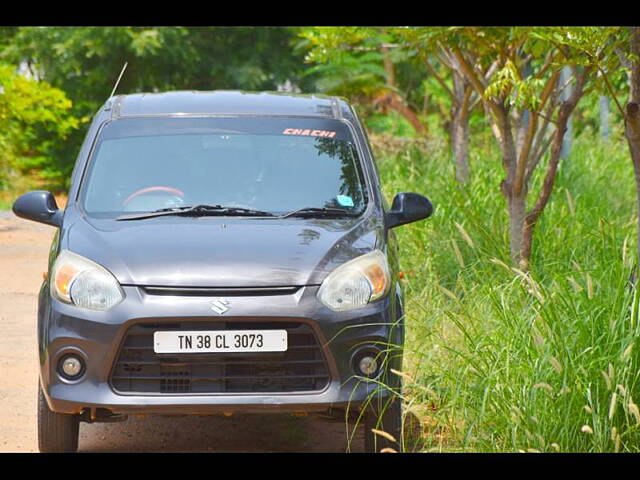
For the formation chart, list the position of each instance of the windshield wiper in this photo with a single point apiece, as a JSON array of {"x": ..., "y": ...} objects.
[
  {"x": 198, "y": 211},
  {"x": 320, "y": 212}
]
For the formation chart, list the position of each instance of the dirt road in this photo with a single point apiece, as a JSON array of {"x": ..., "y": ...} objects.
[{"x": 23, "y": 256}]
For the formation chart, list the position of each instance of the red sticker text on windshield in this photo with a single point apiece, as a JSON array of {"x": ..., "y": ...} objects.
[{"x": 309, "y": 133}]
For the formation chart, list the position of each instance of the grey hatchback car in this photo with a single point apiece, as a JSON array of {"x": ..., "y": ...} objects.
[{"x": 222, "y": 252}]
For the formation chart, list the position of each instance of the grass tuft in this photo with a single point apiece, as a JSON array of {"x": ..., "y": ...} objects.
[{"x": 501, "y": 360}]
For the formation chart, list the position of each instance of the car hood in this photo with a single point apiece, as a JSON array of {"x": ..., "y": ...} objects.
[{"x": 222, "y": 252}]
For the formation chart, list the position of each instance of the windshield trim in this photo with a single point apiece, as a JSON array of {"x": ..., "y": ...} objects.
[{"x": 361, "y": 160}]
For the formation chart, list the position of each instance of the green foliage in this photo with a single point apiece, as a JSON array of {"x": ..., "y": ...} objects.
[
  {"x": 501, "y": 361},
  {"x": 389, "y": 124},
  {"x": 34, "y": 120},
  {"x": 349, "y": 61},
  {"x": 85, "y": 62},
  {"x": 6, "y": 36},
  {"x": 601, "y": 48}
]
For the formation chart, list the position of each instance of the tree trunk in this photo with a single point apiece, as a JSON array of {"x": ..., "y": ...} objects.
[
  {"x": 632, "y": 131},
  {"x": 632, "y": 118},
  {"x": 460, "y": 143},
  {"x": 516, "y": 197},
  {"x": 604, "y": 116},
  {"x": 565, "y": 94},
  {"x": 517, "y": 214},
  {"x": 460, "y": 127}
]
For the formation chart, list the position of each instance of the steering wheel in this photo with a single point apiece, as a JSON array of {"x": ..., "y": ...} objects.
[{"x": 155, "y": 188}]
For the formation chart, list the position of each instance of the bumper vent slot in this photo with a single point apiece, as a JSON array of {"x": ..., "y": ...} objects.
[
  {"x": 139, "y": 370},
  {"x": 223, "y": 292}
]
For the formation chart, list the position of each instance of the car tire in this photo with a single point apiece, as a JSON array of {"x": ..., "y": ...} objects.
[
  {"x": 57, "y": 432},
  {"x": 386, "y": 417}
]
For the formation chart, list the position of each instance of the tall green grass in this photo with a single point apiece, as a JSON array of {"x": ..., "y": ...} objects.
[{"x": 497, "y": 360}]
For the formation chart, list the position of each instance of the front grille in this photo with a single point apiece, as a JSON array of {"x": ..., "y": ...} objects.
[
  {"x": 139, "y": 370},
  {"x": 225, "y": 292}
]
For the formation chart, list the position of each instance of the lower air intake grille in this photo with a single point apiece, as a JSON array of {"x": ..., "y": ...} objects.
[{"x": 139, "y": 370}]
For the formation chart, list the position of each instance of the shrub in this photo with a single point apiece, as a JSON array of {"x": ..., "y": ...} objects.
[{"x": 35, "y": 120}]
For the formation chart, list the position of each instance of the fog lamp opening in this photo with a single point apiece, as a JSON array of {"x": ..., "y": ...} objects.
[
  {"x": 368, "y": 365},
  {"x": 368, "y": 362},
  {"x": 71, "y": 367}
]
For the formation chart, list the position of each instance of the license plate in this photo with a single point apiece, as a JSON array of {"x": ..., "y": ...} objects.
[{"x": 215, "y": 341}]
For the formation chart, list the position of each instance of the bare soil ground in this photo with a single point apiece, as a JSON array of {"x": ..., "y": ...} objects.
[{"x": 23, "y": 259}]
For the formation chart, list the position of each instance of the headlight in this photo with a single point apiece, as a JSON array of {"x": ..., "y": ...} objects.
[
  {"x": 356, "y": 283},
  {"x": 78, "y": 280}
]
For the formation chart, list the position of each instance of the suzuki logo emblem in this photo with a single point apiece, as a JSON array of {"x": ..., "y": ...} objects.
[{"x": 219, "y": 305}]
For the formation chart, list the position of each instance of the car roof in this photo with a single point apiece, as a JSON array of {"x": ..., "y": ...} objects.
[{"x": 227, "y": 102}]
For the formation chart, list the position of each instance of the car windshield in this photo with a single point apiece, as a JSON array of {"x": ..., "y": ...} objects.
[{"x": 271, "y": 164}]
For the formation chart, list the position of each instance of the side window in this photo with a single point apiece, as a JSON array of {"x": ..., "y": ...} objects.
[{"x": 76, "y": 173}]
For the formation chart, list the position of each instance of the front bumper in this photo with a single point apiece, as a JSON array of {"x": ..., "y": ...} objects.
[{"x": 97, "y": 337}]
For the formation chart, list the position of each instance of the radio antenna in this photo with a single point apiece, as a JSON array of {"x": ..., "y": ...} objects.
[{"x": 118, "y": 81}]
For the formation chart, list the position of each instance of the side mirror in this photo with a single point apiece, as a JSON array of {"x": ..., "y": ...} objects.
[
  {"x": 407, "y": 208},
  {"x": 39, "y": 206}
]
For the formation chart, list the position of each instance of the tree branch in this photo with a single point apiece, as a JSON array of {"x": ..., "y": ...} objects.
[
  {"x": 443, "y": 56},
  {"x": 476, "y": 81},
  {"x": 476, "y": 99},
  {"x": 551, "y": 56},
  {"x": 523, "y": 158},
  {"x": 439, "y": 79},
  {"x": 605, "y": 77},
  {"x": 566, "y": 108},
  {"x": 537, "y": 156}
]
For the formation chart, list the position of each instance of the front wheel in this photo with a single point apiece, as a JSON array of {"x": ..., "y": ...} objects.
[
  {"x": 385, "y": 418},
  {"x": 57, "y": 432}
]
